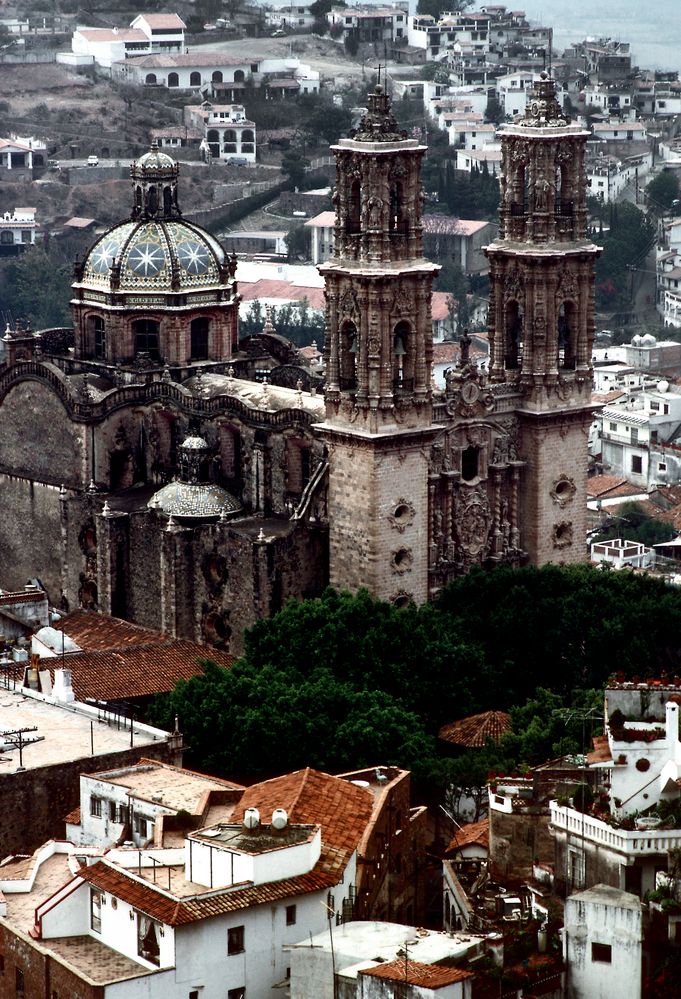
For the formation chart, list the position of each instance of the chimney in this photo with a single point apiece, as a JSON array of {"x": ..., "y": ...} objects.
[{"x": 63, "y": 691}]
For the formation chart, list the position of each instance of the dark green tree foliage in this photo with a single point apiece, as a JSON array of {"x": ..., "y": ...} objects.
[
  {"x": 472, "y": 195},
  {"x": 37, "y": 286},
  {"x": 436, "y": 7},
  {"x": 662, "y": 192},
  {"x": 624, "y": 244},
  {"x": 634, "y": 524},
  {"x": 346, "y": 681},
  {"x": 300, "y": 324},
  {"x": 293, "y": 165}
]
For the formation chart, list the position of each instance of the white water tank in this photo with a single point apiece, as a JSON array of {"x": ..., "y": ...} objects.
[
  {"x": 251, "y": 818},
  {"x": 279, "y": 818}
]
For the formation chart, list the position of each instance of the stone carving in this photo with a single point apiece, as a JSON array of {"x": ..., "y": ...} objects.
[
  {"x": 402, "y": 515},
  {"x": 348, "y": 303},
  {"x": 563, "y": 491},
  {"x": 402, "y": 560},
  {"x": 473, "y": 521},
  {"x": 562, "y": 534}
]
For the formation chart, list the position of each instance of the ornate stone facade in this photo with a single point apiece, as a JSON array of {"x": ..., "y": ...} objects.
[{"x": 382, "y": 482}]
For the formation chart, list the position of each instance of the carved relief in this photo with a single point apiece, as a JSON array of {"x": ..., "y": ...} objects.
[
  {"x": 562, "y": 534},
  {"x": 402, "y": 560},
  {"x": 473, "y": 521},
  {"x": 402, "y": 516},
  {"x": 563, "y": 491},
  {"x": 348, "y": 304}
]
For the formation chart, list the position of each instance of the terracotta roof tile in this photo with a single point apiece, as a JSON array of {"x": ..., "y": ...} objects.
[
  {"x": 121, "y": 660},
  {"x": 431, "y": 976},
  {"x": 476, "y": 730},
  {"x": 161, "y": 905},
  {"x": 609, "y": 485},
  {"x": 471, "y": 833}
]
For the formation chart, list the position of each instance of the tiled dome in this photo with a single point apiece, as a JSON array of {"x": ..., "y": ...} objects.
[{"x": 154, "y": 254}]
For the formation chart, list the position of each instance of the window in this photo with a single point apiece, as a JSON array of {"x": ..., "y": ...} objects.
[
  {"x": 147, "y": 338},
  {"x": 199, "y": 339},
  {"x": 601, "y": 952},
  {"x": 662, "y": 467},
  {"x": 235, "y": 940},
  {"x": 19, "y": 981},
  {"x": 173, "y": 80},
  {"x": 95, "y": 910},
  {"x": 147, "y": 938},
  {"x": 637, "y": 464},
  {"x": 96, "y": 807},
  {"x": 469, "y": 464},
  {"x": 634, "y": 435},
  {"x": 100, "y": 337},
  {"x": 141, "y": 825},
  {"x": 613, "y": 426},
  {"x": 290, "y": 915},
  {"x": 239, "y": 993}
]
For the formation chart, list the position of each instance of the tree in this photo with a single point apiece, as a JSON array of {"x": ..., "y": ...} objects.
[
  {"x": 345, "y": 681},
  {"x": 328, "y": 121},
  {"x": 293, "y": 165},
  {"x": 436, "y": 7},
  {"x": 662, "y": 192},
  {"x": 351, "y": 44},
  {"x": 494, "y": 112},
  {"x": 298, "y": 243},
  {"x": 37, "y": 286}
]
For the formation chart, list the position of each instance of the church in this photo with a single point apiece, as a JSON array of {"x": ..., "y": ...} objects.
[{"x": 148, "y": 470}]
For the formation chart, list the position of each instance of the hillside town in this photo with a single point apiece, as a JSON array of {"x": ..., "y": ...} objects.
[{"x": 342, "y": 342}]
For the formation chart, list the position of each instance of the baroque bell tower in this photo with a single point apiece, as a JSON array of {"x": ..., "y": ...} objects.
[
  {"x": 379, "y": 418},
  {"x": 541, "y": 323}
]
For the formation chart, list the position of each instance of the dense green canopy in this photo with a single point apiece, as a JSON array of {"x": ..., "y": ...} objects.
[{"x": 346, "y": 681}]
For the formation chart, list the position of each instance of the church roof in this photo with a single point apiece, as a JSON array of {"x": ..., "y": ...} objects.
[
  {"x": 197, "y": 500},
  {"x": 474, "y": 731},
  {"x": 150, "y": 253}
]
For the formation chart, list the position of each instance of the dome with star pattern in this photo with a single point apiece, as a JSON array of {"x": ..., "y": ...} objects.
[
  {"x": 155, "y": 249},
  {"x": 154, "y": 254}
]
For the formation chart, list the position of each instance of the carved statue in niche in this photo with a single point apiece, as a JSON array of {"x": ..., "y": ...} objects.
[
  {"x": 374, "y": 212},
  {"x": 500, "y": 451},
  {"x": 473, "y": 521},
  {"x": 513, "y": 286},
  {"x": 348, "y": 304}
]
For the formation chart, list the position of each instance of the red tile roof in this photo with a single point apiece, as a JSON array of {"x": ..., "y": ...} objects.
[
  {"x": 430, "y": 976},
  {"x": 472, "y": 833},
  {"x": 121, "y": 660},
  {"x": 476, "y": 730},
  {"x": 161, "y": 905},
  {"x": 342, "y": 809},
  {"x": 599, "y": 486}
]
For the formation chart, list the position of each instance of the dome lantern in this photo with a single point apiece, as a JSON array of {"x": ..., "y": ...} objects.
[{"x": 154, "y": 181}]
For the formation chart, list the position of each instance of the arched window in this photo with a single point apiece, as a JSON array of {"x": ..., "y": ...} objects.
[
  {"x": 402, "y": 356},
  {"x": 354, "y": 208},
  {"x": 239, "y": 76},
  {"x": 513, "y": 334},
  {"x": 230, "y": 452},
  {"x": 173, "y": 80},
  {"x": 230, "y": 135},
  {"x": 519, "y": 192},
  {"x": 397, "y": 222},
  {"x": 150, "y": 78},
  {"x": 247, "y": 135},
  {"x": 194, "y": 79},
  {"x": 567, "y": 315},
  {"x": 152, "y": 200},
  {"x": 349, "y": 349},
  {"x": 146, "y": 333},
  {"x": 199, "y": 338},
  {"x": 138, "y": 198},
  {"x": 217, "y": 76},
  {"x": 167, "y": 200}
]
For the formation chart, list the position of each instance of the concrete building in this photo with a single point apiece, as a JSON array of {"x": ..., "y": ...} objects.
[
  {"x": 636, "y": 763},
  {"x": 369, "y": 960},
  {"x": 61, "y": 740},
  {"x": 17, "y": 231},
  {"x": 230, "y": 135},
  {"x": 18, "y": 153},
  {"x": 603, "y": 944},
  {"x": 211, "y": 909},
  {"x": 634, "y": 431},
  {"x": 621, "y": 554},
  {"x": 148, "y": 33}
]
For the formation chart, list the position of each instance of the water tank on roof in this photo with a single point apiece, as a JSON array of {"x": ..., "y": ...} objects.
[
  {"x": 636, "y": 340},
  {"x": 279, "y": 818},
  {"x": 251, "y": 818},
  {"x": 648, "y": 340},
  {"x": 663, "y": 386}
]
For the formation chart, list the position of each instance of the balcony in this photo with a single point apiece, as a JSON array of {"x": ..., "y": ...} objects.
[{"x": 632, "y": 843}]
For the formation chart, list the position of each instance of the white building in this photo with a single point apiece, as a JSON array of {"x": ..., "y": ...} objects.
[
  {"x": 638, "y": 765},
  {"x": 17, "y": 230},
  {"x": 370, "y": 24},
  {"x": 229, "y": 133},
  {"x": 209, "y": 912},
  {"x": 322, "y": 228},
  {"x": 621, "y": 554},
  {"x": 471, "y": 160},
  {"x": 22, "y": 153},
  {"x": 368, "y": 958},
  {"x": 148, "y": 33},
  {"x": 603, "y": 944}
]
